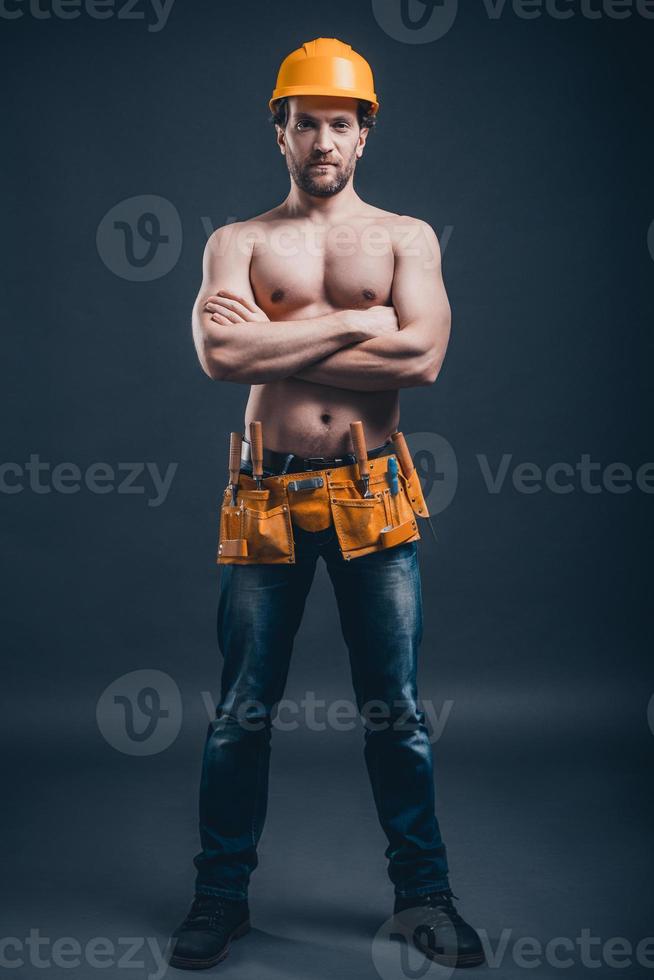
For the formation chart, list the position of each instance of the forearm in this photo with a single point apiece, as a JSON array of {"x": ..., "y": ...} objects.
[
  {"x": 377, "y": 364},
  {"x": 259, "y": 352}
]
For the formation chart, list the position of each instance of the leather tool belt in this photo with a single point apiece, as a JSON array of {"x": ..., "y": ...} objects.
[
  {"x": 279, "y": 463},
  {"x": 259, "y": 529}
]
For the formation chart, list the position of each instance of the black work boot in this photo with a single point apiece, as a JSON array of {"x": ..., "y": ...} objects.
[
  {"x": 203, "y": 938},
  {"x": 437, "y": 929}
]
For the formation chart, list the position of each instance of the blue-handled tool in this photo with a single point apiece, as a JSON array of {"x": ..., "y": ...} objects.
[{"x": 391, "y": 475}]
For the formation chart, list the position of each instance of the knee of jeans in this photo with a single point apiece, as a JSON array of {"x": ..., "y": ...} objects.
[
  {"x": 399, "y": 716},
  {"x": 240, "y": 718}
]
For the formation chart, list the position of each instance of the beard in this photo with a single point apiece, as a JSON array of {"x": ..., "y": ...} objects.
[{"x": 302, "y": 174}]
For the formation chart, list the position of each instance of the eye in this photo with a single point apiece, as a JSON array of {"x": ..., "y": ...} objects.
[{"x": 303, "y": 123}]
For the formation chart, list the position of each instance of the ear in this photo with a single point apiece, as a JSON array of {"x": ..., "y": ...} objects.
[
  {"x": 281, "y": 139},
  {"x": 363, "y": 135}
]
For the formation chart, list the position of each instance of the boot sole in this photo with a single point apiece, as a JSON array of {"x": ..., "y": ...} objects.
[
  {"x": 470, "y": 959},
  {"x": 182, "y": 963},
  {"x": 464, "y": 960}
]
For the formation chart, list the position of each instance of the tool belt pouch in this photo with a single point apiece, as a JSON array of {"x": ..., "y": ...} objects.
[
  {"x": 363, "y": 524},
  {"x": 255, "y": 531}
]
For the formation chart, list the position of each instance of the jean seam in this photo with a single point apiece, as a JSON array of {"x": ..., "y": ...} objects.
[{"x": 257, "y": 793}]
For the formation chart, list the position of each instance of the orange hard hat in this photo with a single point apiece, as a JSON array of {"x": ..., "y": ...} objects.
[{"x": 325, "y": 66}]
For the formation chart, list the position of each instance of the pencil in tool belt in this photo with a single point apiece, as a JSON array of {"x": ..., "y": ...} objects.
[{"x": 235, "y": 443}]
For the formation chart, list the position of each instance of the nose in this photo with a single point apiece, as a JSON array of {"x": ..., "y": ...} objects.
[{"x": 323, "y": 142}]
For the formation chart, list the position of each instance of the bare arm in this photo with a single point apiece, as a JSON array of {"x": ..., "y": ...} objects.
[
  {"x": 264, "y": 350},
  {"x": 413, "y": 355}
]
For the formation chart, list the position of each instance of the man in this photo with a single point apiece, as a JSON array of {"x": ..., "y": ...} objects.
[{"x": 327, "y": 307}]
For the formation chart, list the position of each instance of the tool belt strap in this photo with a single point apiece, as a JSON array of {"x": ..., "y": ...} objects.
[{"x": 279, "y": 463}]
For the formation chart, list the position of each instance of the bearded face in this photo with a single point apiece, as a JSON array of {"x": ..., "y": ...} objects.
[
  {"x": 322, "y": 141},
  {"x": 320, "y": 176}
]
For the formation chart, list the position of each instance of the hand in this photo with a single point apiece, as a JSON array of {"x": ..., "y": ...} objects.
[
  {"x": 378, "y": 320},
  {"x": 228, "y": 307}
]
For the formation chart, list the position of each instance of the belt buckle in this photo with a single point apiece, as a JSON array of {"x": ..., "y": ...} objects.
[
  {"x": 315, "y": 459},
  {"x": 326, "y": 461},
  {"x": 310, "y": 483}
]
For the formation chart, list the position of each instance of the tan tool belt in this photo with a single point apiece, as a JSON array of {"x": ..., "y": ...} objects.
[{"x": 260, "y": 528}]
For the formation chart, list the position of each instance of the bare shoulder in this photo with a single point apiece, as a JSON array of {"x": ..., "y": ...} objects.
[
  {"x": 403, "y": 227},
  {"x": 414, "y": 236},
  {"x": 223, "y": 239},
  {"x": 406, "y": 223},
  {"x": 244, "y": 230}
]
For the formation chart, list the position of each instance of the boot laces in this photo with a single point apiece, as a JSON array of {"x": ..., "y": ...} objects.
[
  {"x": 206, "y": 912},
  {"x": 442, "y": 909}
]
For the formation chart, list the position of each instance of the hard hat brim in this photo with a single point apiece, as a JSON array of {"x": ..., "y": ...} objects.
[{"x": 339, "y": 93}]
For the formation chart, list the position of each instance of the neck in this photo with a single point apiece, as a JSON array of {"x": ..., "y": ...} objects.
[{"x": 299, "y": 204}]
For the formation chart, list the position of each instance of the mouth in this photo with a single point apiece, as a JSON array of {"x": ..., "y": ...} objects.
[{"x": 322, "y": 164}]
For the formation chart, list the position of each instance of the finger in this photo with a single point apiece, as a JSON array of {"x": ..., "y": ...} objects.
[
  {"x": 252, "y": 307},
  {"x": 213, "y": 302},
  {"x": 219, "y": 308},
  {"x": 230, "y": 315},
  {"x": 220, "y": 304},
  {"x": 217, "y": 318},
  {"x": 236, "y": 306}
]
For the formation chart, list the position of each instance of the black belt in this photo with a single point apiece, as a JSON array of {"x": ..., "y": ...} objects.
[{"x": 277, "y": 463}]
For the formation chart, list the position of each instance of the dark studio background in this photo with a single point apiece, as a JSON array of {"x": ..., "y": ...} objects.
[{"x": 526, "y": 143}]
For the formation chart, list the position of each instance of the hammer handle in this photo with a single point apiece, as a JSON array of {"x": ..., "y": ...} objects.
[
  {"x": 359, "y": 446},
  {"x": 256, "y": 448},
  {"x": 402, "y": 453},
  {"x": 235, "y": 442}
]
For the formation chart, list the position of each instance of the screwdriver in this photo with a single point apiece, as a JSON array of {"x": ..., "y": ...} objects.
[{"x": 391, "y": 473}]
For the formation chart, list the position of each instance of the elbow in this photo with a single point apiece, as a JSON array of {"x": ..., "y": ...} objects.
[
  {"x": 425, "y": 357},
  {"x": 213, "y": 367},
  {"x": 213, "y": 361},
  {"x": 213, "y": 370},
  {"x": 212, "y": 349},
  {"x": 428, "y": 369},
  {"x": 432, "y": 359},
  {"x": 431, "y": 375}
]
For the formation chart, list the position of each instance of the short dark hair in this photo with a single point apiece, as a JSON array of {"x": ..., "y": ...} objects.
[{"x": 367, "y": 119}]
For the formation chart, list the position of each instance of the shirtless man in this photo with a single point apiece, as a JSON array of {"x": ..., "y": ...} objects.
[{"x": 326, "y": 306}]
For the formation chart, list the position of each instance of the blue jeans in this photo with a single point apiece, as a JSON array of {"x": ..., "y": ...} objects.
[{"x": 380, "y": 607}]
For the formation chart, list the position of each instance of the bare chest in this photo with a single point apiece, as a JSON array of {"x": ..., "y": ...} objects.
[{"x": 338, "y": 268}]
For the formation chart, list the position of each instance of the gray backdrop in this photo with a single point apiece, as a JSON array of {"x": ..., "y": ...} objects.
[{"x": 524, "y": 138}]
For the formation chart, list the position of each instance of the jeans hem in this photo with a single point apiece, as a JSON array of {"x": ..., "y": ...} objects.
[
  {"x": 221, "y": 893},
  {"x": 423, "y": 890}
]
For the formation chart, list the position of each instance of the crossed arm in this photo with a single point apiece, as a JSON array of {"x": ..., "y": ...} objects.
[
  {"x": 364, "y": 350},
  {"x": 413, "y": 355}
]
